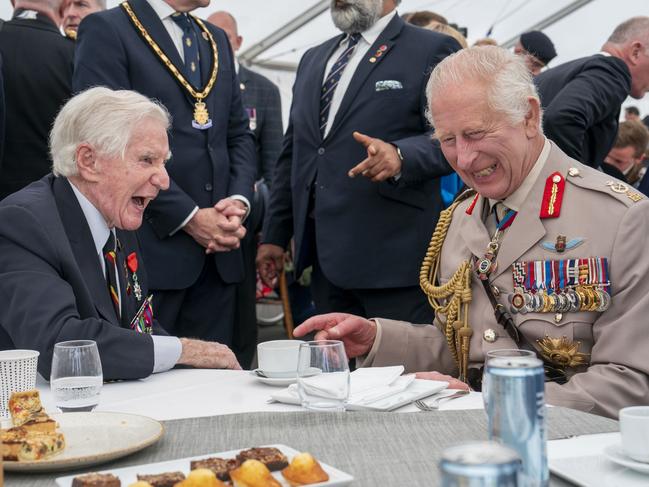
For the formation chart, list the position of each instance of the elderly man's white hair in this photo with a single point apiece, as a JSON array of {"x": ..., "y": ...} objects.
[
  {"x": 508, "y": 81},
  {"x": 103, "y": 118}
]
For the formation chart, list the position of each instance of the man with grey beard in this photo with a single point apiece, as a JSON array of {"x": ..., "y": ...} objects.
[{"x": 357, "y": 183}]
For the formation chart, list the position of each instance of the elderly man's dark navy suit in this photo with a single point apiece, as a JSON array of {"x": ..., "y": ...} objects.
[
  {"x": 52, "y": 287},
  {"x": 367, "y": 236},
  {"x": 206, "y": 165}
]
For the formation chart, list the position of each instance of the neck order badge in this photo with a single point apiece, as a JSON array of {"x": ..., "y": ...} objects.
[{"x": 202, "y": 119}]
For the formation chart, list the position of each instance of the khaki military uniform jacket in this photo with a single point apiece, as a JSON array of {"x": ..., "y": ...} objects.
[{"x": 612, "y": 224}]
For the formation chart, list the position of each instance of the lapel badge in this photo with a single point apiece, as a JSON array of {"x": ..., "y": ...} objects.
[
  {"x": 562, "y": 244},
  {"x": 372, "y": 59},
  {"x": 242, "y": 86},
  {"x": 205, "y": 36},
  {"x": 383, "y": 48}
]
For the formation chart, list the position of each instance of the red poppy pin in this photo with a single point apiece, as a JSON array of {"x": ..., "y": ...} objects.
[{"x": 132, "y": 262}]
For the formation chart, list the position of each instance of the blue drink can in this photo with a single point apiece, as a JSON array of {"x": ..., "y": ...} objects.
[
  {"x": 480, "y": 464},
  {"x": 516, "y": 411}
]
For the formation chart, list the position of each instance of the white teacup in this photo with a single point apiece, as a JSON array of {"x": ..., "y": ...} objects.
[
  {"x": 278, "y": 358},
  {"x": 634, "y": 427}
]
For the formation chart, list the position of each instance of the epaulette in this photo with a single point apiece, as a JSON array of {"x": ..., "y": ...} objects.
[
  {"x": 464, "y": 194},
  {"x": 588, "y": 178}
]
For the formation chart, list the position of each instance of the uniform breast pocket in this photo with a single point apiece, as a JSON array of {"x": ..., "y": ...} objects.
[{"x": 575, "y": 327}]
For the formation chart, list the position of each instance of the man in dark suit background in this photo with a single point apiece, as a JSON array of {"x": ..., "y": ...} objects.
[
  {"x": 191, "y": 233},
  {"x": 357, "y": 181},
  {"x": 262, "y": 103},
  {"x": 37, "y": 73},
  {"x": 582, "y": 98},
  {"x": 70, "y": 266}
]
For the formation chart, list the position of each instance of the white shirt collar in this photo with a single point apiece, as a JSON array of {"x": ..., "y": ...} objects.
[
  {"x": 98, "y": 227},
  {"x": 161, "y": 8},
  {"x": 515, "y": 200},
  {"x": 371, "y": 34}
]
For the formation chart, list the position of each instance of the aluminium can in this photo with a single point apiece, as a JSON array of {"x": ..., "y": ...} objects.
[
  {"x": 480, "y": 464},
  {"x": 516, "y": 412}
]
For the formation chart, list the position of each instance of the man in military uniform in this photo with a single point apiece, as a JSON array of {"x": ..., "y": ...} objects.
[{"x": 530, "y": 243}]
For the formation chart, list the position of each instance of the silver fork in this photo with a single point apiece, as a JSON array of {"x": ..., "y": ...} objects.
[{"x": 434, "y": 405}]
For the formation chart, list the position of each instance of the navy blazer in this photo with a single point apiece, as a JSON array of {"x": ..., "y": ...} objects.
[
  {"x": 52, "y": 286},
  {"x": 581, "y": 102},
  {"x": 368, "y": 235},
  {"x": 206, "y": 165}
]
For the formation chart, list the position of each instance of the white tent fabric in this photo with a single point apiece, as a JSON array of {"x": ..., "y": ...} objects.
[{"x": 580, "y": 33}]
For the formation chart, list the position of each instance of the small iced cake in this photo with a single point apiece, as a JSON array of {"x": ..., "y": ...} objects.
[
  {"x": 271, "y": 457},
  {"x": 220, "y": 466},
  {"x": 304, "y": 470},
  {"x": 253, "y": 473},
  {"x": 96, "y": 480},
  {"x": 201, "y": 477}
]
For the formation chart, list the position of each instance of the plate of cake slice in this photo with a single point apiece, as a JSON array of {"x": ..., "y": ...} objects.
[
  {"x": 38, "y": 442},
  {"x": 270, "y": 465}
]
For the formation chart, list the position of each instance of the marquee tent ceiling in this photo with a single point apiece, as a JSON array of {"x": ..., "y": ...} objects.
[{"x": 277, "y": 32}]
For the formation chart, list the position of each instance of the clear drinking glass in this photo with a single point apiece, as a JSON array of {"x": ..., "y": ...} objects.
[
  {"x": 323, "y": 375},
  {"x": 76, "y": 377},
  {"x": 503, "y": 353}
]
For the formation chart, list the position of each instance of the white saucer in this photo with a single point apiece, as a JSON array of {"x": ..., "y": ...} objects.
[
  {"x": 281, "y": 381},
  {"x": 615, "y": 454}
]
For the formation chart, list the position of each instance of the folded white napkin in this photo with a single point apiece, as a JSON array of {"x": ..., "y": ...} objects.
[{"x": 366, "y": 385}]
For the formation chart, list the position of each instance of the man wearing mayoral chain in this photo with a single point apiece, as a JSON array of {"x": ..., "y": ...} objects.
[
  {"x": 543, "y": 253},
  {"x": 191, "y": 232}
]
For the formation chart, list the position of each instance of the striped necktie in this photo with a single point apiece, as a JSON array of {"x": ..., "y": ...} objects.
[
  {"x": 190, "y": 48},
  {"x": 330, "y": 83},
  {"x": 110, "y": 259}
]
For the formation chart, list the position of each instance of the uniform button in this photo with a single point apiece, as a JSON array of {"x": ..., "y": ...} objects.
[
  {"x": 495, "y": 290},
  {"x": 321, "y": 151},
  {"x": 489, "y": 335},
  {"x": 558, "y": 317},
  {"x": 573, "y": 171},
  {"x": 208, "y": 187}
]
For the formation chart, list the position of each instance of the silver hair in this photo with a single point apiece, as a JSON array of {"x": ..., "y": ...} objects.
[
  {"x": 356, "y": 16},
  {"x": 507, "y": 80},
  {"x": 103, "y": 118},
  {"x": 635, "y": 28}
]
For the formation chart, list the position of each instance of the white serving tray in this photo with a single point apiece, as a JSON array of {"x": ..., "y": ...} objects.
[{"x": 128, "y": 475}]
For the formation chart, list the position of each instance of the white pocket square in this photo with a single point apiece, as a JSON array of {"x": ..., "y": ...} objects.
[{"x": 388, "y": 84}]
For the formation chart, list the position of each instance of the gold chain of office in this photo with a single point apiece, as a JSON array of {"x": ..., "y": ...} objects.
[
  {"x": 201, "y": 115},
  {"x": 451, "y": 299}
]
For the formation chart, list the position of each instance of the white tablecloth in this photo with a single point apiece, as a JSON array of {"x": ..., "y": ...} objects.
[{"x": 191, "y": 393}]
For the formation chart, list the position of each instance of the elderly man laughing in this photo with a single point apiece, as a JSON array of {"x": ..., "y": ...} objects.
[
  {"x": 70, "y": 266},
  {"x": 525, "y": 259}
]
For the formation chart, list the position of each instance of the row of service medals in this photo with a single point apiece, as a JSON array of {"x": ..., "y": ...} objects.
[{"x": 561, "y": 286}]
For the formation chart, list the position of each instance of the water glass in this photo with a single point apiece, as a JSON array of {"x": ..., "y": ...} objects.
[
  {"x": 502, "y": 353},
  {"x": 323, "y": 375},
  {"x": 76, "y": 376}
]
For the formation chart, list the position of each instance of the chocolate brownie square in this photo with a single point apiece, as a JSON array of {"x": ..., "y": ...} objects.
[
  {"x": 168, "y": 479},
  {"x": 96, "y": 480},
  {"x": 220, "y": 466},
  {"x": 269, "y": 456}
]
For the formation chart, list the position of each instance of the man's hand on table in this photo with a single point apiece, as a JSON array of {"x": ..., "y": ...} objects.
[
  {"x": 218, "y": 229},
  {"x": 356, "y": 333},
  {"x": 207, "y": 355},
  {"x": 453, "y": 383}
]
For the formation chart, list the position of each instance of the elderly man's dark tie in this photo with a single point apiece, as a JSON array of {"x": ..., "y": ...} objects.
[
  {"x": 330, "y": 83},
  {"x": 190, "y": 48},
  {"x": 110, "y": 259}
]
